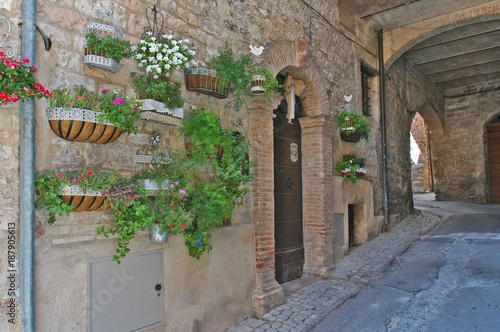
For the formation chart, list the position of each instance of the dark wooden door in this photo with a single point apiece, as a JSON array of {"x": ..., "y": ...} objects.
[
  {"x": 288, "y": 198},
  {"x": 493, "y": 130}
]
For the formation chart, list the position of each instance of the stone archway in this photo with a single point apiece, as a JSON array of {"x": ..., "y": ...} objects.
[
  {"x": 400, "y": 40},
  {"x": 317, "y": 168}
]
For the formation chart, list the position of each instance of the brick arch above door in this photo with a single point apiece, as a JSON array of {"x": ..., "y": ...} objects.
[{"x": 295, "y": 57}]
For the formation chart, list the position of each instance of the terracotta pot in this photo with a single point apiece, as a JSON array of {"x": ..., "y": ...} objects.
[
  {"x": 79, "y": 125},
  {"x": 204, "y": 80}
]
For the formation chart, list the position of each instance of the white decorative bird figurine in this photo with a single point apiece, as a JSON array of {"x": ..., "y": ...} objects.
[{"x": 256, "y": 50}]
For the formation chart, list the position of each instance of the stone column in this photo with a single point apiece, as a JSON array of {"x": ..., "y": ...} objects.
[
  {"x": 317, "y": 197},
  {"x": 267, "y": 294}
]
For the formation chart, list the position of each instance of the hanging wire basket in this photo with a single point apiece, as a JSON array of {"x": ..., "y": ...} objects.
[
  {"x": 205, "y": 80},
  {"x": 102, "y": 25}
]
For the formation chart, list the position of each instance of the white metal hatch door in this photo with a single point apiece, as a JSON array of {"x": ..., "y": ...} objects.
[{"x": 128, "y": 296}]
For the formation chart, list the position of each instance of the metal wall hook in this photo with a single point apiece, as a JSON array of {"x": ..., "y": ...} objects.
[{"x": 46, "y": 40}]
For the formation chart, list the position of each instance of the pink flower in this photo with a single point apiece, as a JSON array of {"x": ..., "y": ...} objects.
[
  {"x": 104, "y": 91},
  {"x": 171, "y": 186},
  {"x": 182, "y": 191},
  {"x": 161, "y": 210},
  {"x": 135, "y": 109},
  {"x": 176, "y": 183},
  {"x": 109, "y": 162},
  {"x": 184, "y": 199},
  {"x": 131, "y": 197},
  {"x": 75, "y": 181},
  {"x": 105, "y": 192},
  {"x": 118, "y": 101}
]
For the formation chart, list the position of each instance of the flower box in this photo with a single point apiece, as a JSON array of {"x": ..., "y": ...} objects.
[
  {"x": 205, "y": 80},
  {"x": 83, "y": 201},
  {"x": 81, "y": 125},
  {"x": 156, "y": 111}
]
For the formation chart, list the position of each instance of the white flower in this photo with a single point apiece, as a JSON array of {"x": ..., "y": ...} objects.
[
  {"x": 153, "y": 38},
  {"x": 348, "y": 98},
  {"x": 138, "y": 56},
  {"x": 155, "y": 76},
  {"x": 167, "y": 66},
  {"x": 168, "y": 36},
  {"x": 140, "y": 65},
  {"x": 149, "y": 33},
  {"x": 192, "y": 52},
  {"x": 144, "y": 48}
]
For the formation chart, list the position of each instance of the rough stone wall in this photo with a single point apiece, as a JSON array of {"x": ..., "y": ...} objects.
[
  {"x": 407, "y": 92},
  {"x": 208, "y": 25},
  {"x": 421, "y": 177},
  {"x": 460, "y": 157}
]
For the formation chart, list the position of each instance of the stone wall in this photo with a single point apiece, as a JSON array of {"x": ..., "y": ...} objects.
[
  {"x": 421, "y": 177},
  {"x": 407, "y": 92},
  {"x": 460, "y": 157},
  {"x": 332, "y": 70}
]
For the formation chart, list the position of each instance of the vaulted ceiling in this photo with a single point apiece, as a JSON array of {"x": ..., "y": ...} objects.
[{"x": 462, "y": 61}]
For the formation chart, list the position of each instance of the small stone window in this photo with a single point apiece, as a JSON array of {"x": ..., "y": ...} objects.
[{"x": 366, "y": 78}]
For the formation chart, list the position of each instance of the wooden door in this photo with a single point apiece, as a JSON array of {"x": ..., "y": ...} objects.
[
  {"x": 493, "y": 130},
  {"x": 288, "y": 234}
]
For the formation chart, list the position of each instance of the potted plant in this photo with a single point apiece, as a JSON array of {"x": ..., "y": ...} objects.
[
  {"x": 17, "y": 81},
  {"x": 352, "y": 125},
  {"x": 80, "y": 115},
  {"x": 106, "y": 52},
  {"x": 161, "y": 99},
  {"x": 63, "y": 192},
  {"x": 159, "y": 55},
  {"x": 351, "y": 167},
  {"x": 227, "y": 71}
]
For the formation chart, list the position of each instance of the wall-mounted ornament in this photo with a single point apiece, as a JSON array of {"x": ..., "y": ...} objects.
[
  {"x": 7, "y": 50},
  {"x": 291, "y": 89},
  {"x": 294, "y": 152}
]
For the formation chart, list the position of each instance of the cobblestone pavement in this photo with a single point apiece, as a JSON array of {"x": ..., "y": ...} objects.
[{"x": 306, "y": 307}]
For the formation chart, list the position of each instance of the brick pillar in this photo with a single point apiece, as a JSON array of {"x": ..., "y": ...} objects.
[
  {"x": 267, "y": 294},
  {"x": 317, "y": 194}
]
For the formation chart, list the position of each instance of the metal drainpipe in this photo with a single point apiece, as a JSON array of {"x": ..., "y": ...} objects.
[
  {"x": 27, "y": 177},
  {"x": 383, "y": 122}
]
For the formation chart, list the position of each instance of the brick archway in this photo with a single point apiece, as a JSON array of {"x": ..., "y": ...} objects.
[{"x": 317, "y": 131}]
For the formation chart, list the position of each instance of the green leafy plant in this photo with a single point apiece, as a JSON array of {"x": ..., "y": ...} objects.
[
  {"x": 197, "y": 242},
  {"x": 17, "y": 81},
  {"x": 237, "y": 71},
  {"x": 349, "y": 166},
  {"x": 352, "y": 121},
  {"x": 159, "y": 89},
  {"x": 117, "y": 109},
  {"x": 109, "y": 47}
]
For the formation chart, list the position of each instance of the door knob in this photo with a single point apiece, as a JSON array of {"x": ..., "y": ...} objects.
[{"x": 158, "y": 287}]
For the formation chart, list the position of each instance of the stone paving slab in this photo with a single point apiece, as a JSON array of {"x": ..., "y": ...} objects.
[{"x": 304, "y": 308}]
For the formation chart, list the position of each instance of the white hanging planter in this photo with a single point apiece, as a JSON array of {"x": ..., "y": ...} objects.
[
  {"x": 256, "y": 85},
  {"x": 101, "y": 63},
  {"x": 156, "y": 111}
]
